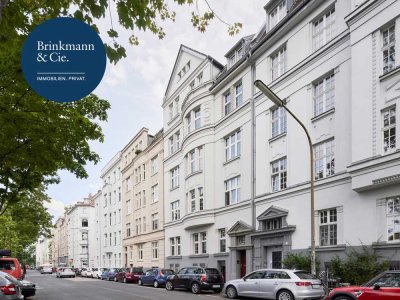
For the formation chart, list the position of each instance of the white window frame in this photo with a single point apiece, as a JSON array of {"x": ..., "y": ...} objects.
[
  {"x": 154, "y": 250},
  {"x": 154, "y": 165},
  {"x": 323, "y": 29},
  {"x": 278, "y": 62},
  {"x": 175, "y": 210},
  {"x": 128, "y": 207},
  {"x": 388, "y": 46},
  {"x": 328, "y": 219},
  {"x": 393, "y": 219},
  {"x": 154, "y": 222},
  {"x": 279, "y": 174},
  {"x": 192, "y": 198},
  {"x": 222, "y": 240},
  {"x": 154, "y": 193},
  {"x": 324, "y": 95},
  {"x": 197, "y": 118},
  {"x": 238, "y": 94},
  {"x": 199, "y": 242},
  {"x": 227, "y": 103},
  {"x": 233, "y": 145},
  {"x": 140, "y": 252},
  {"x": 232, "y": 191},
  {"x": 324, "y": 156},
  {"x": 278, "y": 121},
  {"x": 279, "y": 12},
  {"x": 171, "y": 111},
  {"x": 175, "y": 177},
  {"x": 201, "y": 198},
  {"x": 389, "y": 134}
]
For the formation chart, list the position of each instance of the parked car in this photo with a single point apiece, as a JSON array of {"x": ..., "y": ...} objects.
[
  {"x": 280, "y": 284},
  {"x": 155, "y": 277},
  {"x": 46, "y": 270},
  {"x": 104, "y": 275},
  {"x": 12, "y": 266},
  {"x": 196, "y": 279},
  {"x": 133, "y": 274},
  {"x": 65, "y": 272},
  {"x": 98, "y": 273},
  {"x": 10, "y": 288},
  {"x": 83, "y": 272},
  {"x": 384, "y": 286},
  {"x": 90, "y": 271},
  {"x": 112, "y": 273},
  {"x": 28, "y": 289}
]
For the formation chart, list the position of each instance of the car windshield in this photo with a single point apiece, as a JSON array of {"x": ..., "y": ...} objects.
[
  {"x": 137, "y": 270},
  {"x": 304, "y": 275},
  {"x": 385, "y": 280},
  {"x": 7, "y": 265}
]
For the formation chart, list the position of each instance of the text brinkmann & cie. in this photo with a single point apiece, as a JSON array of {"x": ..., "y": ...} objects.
[{"x": 60, "y": 46}]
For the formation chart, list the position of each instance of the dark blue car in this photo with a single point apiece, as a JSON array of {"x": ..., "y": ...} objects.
[
  {"x": 104, "y": 275},
  {"x": 155, "y": 277}
]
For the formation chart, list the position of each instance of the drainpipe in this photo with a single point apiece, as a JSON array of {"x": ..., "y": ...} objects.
[{"x": 253, "y": 142}]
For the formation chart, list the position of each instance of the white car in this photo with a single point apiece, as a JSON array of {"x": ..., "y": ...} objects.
[
  {"x": 65, "y": 272},
  {"x": 97, "y": 274},
  {"x": 84, "y": 272},
  {"x": 91, "y": 272},
  {"x": 46, "y": 270},
  {"x": 279, "y": 284}
]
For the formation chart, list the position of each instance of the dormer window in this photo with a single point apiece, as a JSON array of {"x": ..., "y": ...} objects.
[
  {"x": 273, "y": 224},
  {"x": 277, "y": 13},
  {"x": 184, "y": 70},
  {"x": 236, "y": 55}
]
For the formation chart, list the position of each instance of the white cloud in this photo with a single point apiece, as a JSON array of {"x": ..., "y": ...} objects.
[{"x": 55, "y": 208}]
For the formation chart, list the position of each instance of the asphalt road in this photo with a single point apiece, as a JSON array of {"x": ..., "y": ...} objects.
[{"x": 51, "y": 288}]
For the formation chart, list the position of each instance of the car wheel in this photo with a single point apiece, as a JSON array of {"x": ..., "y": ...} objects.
[
  {"x": 124, "y": 280},
  {"x": 195, "y": 288},
  {"x": 284, "y": 295},
  {"x": 231, "y": 292},
  {"x": 169, "y": 285},
  {"x": 156, "y": 284},
  {"x": 140, "y": 282}
]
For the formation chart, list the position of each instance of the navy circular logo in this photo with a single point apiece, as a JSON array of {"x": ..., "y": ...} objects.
[{"x": 63, "y": 59}]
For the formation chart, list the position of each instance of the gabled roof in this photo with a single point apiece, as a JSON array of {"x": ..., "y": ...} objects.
[
  {"x": 240, "y": 227},
  {"x": 193, "y": 52},
  {"x": 273, "y": 212}
]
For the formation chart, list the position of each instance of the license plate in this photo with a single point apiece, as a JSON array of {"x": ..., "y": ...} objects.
[
  {"x": 216, "y": 286},
  {"x": 315, "y": 286}
]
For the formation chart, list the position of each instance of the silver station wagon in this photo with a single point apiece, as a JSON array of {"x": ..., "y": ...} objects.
[{"x": 277, "y": 284}]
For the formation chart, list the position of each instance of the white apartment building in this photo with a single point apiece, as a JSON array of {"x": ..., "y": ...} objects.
[
  {"x": 43, "y": 251},
  {"x": 81, "y": 234},
  {"x": 236, "y": 167},
  {"x": 108, "y": 216}
]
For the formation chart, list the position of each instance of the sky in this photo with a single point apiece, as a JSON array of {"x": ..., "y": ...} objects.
[{"x": 136, "y": 85}]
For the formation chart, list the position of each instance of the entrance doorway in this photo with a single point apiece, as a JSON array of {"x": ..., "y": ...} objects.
[
  {"x": 222, "y": 268},
  {"x": 242, "y": 255},
  {"x": 276, "y": 259}
]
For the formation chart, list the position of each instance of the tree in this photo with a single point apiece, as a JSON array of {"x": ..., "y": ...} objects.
[
  {"x": 299, "y": 261},
  {"x": 23, "y": 223}
]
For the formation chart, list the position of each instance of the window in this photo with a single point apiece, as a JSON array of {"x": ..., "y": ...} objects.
[
  {"x": 388, "y": 49},
  {"x": 278, "y": 61},
  {"x": 197, "y": 118},
  {"x": 144, "y": 171},
  {"x": 110, "y": 219},
  {"x": 200, "y": 243},
  {"x": 175, "y": 177},
  {"x": 154, "y": 193},
  {"x": 140, "y": 251},
  {"x": 277, "y": 13},
  {"x": 175, "y": 245},
  {"x": 201, "y": 199},
  {"x": 175, "y": 211},
  {"x": 119, "y": 216},
  {"x": 154, "y": 221},
  {"x": 105, "y": 240},
  {"x": 119, "y": 237},
  {"x": 128, "y": 184},
  {"x": 273, "y": 224},
  {"x": 279, "y": 174},
  {"x": 110, "y": 238},
  {"x": 144, "y": 224},
  {"x": 222, "y": 240},
  {"x": 84, "y": 249},
  {"x": 176, "y": 106},
  {"x": 279, "y": 125},
  {"x": 239, "y": 94},
  {"x": 393, "y": 218},
  {"x": 194, "y": 160},
  {"x": 389, "y": 130},
  {"x": 177, "y": 140},
  {"x": 192, "y": 195},
  {"x": 200, "y": 78},
  {"x": 84, "y": 236},
  {"x": 119, "y": 194},
  {"x": 188, "y": 122},
  {"x": 154, "y": 165},
  {"x": 171, "y": 110},
  {"x": 324, "y": 159},
  {"x": 128, "y": 207},
  {"x": 328, "y": 227},
  {"x": 324, "y": 95},
  {"x": 154, "y": 250},
  {"x": 227, "y": 103},
  {"x": 232, "y": 146},
  {"x": 232, "y": 191},
  {"x": 191, "y": 85},
  {"x": 323, "y": 29},
  {"x": 85, "y": 223},
  {"x": 128, "y": 229}
]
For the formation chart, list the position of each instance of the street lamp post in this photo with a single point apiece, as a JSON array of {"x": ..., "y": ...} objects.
[{"x": 274, "y": 98}]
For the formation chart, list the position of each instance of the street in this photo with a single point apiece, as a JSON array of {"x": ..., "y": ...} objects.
[{"x": 49, "y": 287}]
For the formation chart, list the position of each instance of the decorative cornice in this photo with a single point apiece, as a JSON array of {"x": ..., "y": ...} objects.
[{"x": 387, "y": 179}]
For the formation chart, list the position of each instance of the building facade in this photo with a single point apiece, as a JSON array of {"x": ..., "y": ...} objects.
[
  {"x": 108, "y": 216},
  {"x": 334, "y": 63},
  {"x": 143, "y": 201},
  {"x": 59, "y": 243},
  {"x": 81, "y": 234},
  {"x": 44, "y": 252}
]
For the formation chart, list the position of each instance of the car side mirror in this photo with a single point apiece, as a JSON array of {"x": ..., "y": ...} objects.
[{"x": 377, "y": 287}]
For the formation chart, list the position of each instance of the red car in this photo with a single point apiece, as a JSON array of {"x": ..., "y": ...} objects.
[
  {"x": 133, "y": 274},
  {"x": 385, "y": 286}
]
